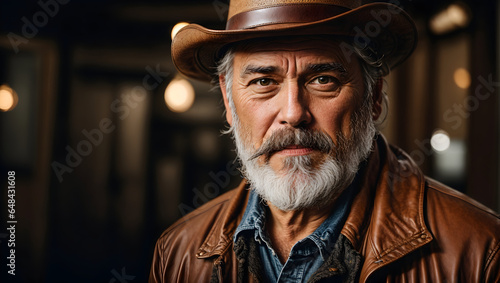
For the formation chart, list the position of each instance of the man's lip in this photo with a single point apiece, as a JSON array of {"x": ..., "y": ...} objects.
[{"x": 295, "y": 150}]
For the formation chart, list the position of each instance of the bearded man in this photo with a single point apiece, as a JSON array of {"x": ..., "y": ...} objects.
[{"x": 325, "y": 198}]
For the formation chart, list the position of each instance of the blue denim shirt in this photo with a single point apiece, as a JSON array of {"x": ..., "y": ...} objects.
[{"x": 307, "y": 255}]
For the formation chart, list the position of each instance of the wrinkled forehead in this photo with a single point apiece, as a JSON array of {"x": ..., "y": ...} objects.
[{"x": 328, "y": 48}]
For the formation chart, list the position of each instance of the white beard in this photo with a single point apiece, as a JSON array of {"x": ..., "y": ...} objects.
[{"x": 300, "y": 185}]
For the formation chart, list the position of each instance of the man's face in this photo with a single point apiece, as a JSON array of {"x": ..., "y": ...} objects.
[
  {"x": 304, "y": 84},
  {"x": 300, "y": 121}
]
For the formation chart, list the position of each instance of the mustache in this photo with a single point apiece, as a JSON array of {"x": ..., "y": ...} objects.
[{"x": 283, "y": 138}]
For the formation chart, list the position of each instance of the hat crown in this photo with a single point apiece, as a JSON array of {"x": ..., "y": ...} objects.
[{"x": 240, "y": 6}]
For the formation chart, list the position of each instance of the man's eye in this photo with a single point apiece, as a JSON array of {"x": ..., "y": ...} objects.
[
  {"x": 324, "y": 80},
  {"x": 263, "y": 81}
]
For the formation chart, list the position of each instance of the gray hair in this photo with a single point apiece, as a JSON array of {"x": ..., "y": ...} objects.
[{"x": 371, "y": 72}]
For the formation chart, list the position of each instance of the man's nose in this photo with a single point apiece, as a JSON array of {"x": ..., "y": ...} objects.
[{"x": 294, "y": 107}]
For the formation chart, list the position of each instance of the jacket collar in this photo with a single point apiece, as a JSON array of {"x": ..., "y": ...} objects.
[{"x": 386, "y": 220}]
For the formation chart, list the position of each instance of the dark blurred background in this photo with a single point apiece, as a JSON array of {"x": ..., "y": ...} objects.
[{"x": 103, "y": 165}]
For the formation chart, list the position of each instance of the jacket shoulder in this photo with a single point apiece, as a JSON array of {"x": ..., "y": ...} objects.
[
  {"x": 462, "y": 226},
  {"x": 200, "y": 219},
  {"x": 456, "y": 199}
]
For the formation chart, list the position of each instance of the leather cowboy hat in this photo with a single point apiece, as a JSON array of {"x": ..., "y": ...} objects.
[{"x": 383, "y": 31}]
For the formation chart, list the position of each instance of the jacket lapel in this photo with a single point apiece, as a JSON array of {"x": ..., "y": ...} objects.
[
  {"x": 220, "y": 237},
  {"x": 386, "y": 221}
]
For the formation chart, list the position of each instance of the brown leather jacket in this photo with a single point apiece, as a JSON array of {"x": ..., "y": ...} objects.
[{"x": 408, "y": 228}]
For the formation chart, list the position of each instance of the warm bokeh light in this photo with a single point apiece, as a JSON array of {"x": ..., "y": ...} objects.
[
  {"x": 8, "y": 98},
  {"x": 178, "y": 27},
  {"x": 453, "y": 17},
  {"x": 462, "y": 78},
  {"x": 179, "y": 95},
  {"x": 440, "y": 140}
]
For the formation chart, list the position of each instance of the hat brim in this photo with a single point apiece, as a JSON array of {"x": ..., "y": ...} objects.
[{"x": 196, "y": 50}]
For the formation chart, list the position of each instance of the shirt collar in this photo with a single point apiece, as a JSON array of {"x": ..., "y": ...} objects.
[
  {"x": 254, "y": 217},
  {"x": 323, "y": 237},
  {"x": 327, "y": 233}
]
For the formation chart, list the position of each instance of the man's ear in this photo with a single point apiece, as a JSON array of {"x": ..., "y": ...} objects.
[
  {"x": 229, "y": 114},
  {"x": 377, "y": 99}
]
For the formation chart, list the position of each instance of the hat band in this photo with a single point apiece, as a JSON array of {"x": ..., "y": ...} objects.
[{"x": 300, "y": 13}]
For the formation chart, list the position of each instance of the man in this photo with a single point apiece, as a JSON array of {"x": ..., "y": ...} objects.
[{"x": 325, "y": 197}]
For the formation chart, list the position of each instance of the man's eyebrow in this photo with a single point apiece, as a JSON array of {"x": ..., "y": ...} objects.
[
  {"x": 252, "y": 69},
  {"x": 327, "y": 67}
]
